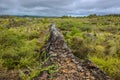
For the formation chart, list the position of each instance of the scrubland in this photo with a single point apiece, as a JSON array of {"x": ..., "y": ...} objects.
[{"x": 93, "y": 37}]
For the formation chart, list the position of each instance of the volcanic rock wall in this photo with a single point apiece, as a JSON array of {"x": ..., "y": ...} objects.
[{"x": 70, "y": 67}]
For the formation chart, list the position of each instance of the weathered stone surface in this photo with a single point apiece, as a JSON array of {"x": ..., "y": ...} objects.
[{"x": 70, "y": 67}]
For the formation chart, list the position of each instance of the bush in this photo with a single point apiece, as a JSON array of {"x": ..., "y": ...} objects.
[
  {"x": 78, "y": 47},
  {"x": 66, "y": 25},
  {"x": 109, "y": 65},
  {"x": 14, "y": 48}
]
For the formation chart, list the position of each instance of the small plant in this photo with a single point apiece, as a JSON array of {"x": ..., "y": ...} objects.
[
  {"x": 109, "y": 65},
  {"x": 33, "y": 72}
]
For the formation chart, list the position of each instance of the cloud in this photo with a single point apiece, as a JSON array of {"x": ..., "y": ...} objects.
[{"x": 59, "y": 7}]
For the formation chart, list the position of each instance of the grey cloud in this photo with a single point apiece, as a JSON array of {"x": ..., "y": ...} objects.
[
  {"x": 46, "y": 3},
  {"x": 98, "y": 4},
  {"x": 59, "y": 7}
]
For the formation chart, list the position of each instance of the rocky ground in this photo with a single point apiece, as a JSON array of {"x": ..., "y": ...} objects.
[{"x": 70, "y": 67}]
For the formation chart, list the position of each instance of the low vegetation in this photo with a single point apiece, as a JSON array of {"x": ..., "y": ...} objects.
[
  {"x": 96, "y": 38},
  {"x": 20, "y": 47},
  {"x": 93, "y": 37}
]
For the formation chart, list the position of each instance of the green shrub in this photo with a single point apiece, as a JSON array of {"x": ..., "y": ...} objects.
[
  {"x": 110, "y": 65},
  {"x": 33, "y": 34},
  {"x": 66, "y": 25},
  {"x": 78, "y": 47},
  {"x": 14, "y": 48}
]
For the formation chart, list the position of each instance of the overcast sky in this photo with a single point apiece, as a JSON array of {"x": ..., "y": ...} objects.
[{"x": 59, "y": 7}]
